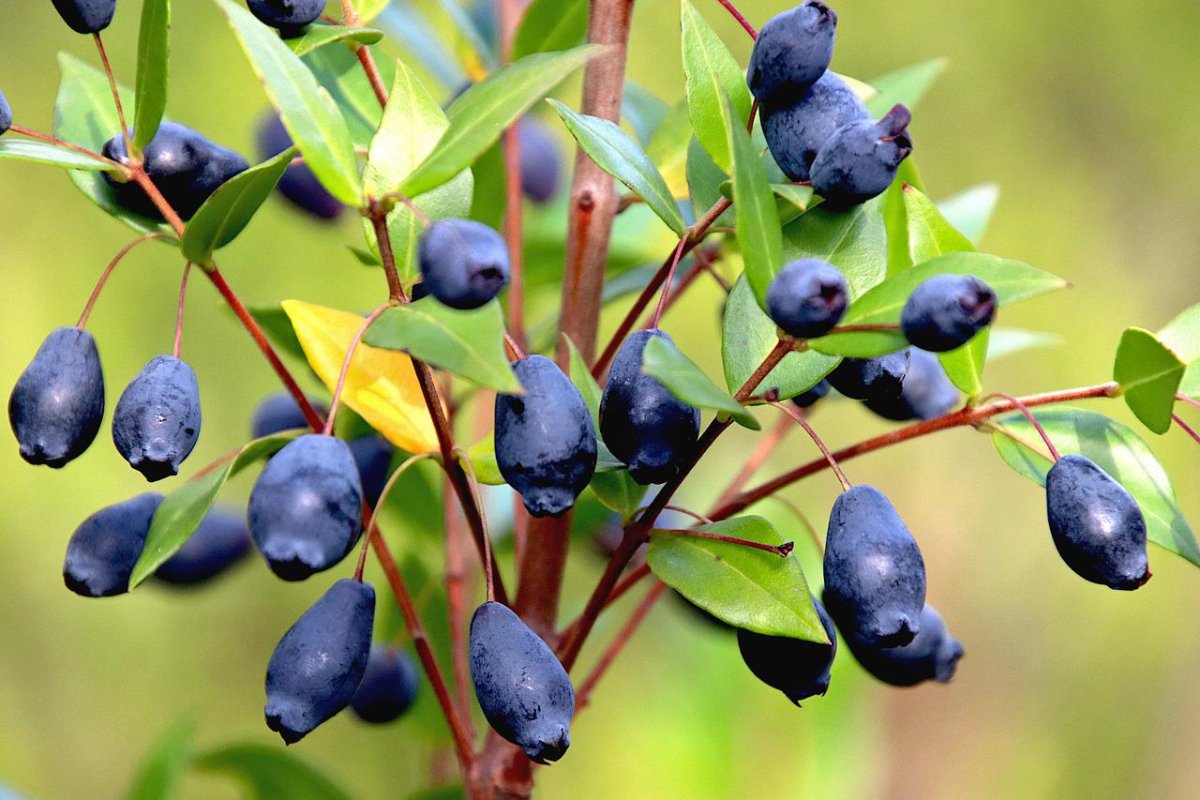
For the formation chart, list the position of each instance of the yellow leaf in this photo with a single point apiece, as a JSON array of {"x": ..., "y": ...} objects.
[{"x": 381, "y": 384}]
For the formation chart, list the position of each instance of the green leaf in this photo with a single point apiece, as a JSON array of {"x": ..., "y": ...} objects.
[
  {"x": 1120, "y": 452},
  {"x": 706, "y": 182},
  {"x": 854, "y": 241},
  {"x": 482, "y": 456},
  {"x": 152, "y": 70},
  {"x": 482, "y": 112},
  {"x": 84, "y": 114},
  {"x": 907, "y": 86},
  {"x": 971, "y": 211},
  {"x": 270, "y": 773},
  {"x": 964, "y": 365},
  {"x": 748, "y": 335},
  {"x": 1011, "y": 280},
  {"x": 340, "y": 73},
  {"x": 308, "y": 112},
  {"x": 42, "y": 153},
  {"x": 711, "y": 73},
  {"x": 1182, "y": 335},
  {"x": 687, "y": 382},
  {"x": 319, "y": 35},
  {"x": 183, "y": 510},
  {"x": 615, "y": 152},
  {"x": 412, "y": 125},
  {"x": 1149, "y": 374},
  {"x": 744, "y": 587},
  {"x": 758, "y": 232},
  {"x": 549, "y": 25},
  {"x": 468, "y": 343},
  {"x": 162, "y": 768},
  {"x": 618, "y": 492},
  {"x": 668, "y": 149},
  {"x": 895, "y": 217},
  {"x": 929, "y": 234},
  {"x": 229, "y": 210}
]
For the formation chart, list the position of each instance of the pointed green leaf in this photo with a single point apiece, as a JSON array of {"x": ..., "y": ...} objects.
[
  {"x": 468, "y": 343},
  {"x": 52, "y": 155},
  {"x": 152, "y": 70},
  {"x": 854, "y": 241},
  {"x": 308, "y": 112},
  {"x": 482, "y": 112},
  {"x": 84, "y": 114},
  {"x": 964, "y": 365},
  {"x": 907, "y": 86},
  {"x": 971, "y": 211},
  {"x": 929, "y": 234},
  {"x": 758, "y": 231},
  {"x": 229, "y": 210},
  {"x": 1149, "y": 374},
  {"x": 320, "y": 34},
  {"x": 711, "y": 73},
  {"x": 748, "y": 335},
  {"x": 744, "y": 587},
  {"x": 412, "y": 125},
  {"x": 159, "y": 774},
  {"x": 707, "y": 184},
  {"x": 895, "y": 217},
  {"x": 549, "y": 25},
  {"x": 618, "y": 492},
  {"x": 482, "y": 455},
  {"x": 184, "y": 509},
  {"x": 340, "y": 73},
  {"x": 1182, "y": 335},
  {"x": 1012, "y": 282},
  {"x": 1120, "y": 452},
  {"x": 270, "y": 773},
  {"x": 687, "y": 382},
  {"x": 615, "y": 152}
]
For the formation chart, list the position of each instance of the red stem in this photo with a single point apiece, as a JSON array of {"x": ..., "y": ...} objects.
[
  {"x": 336, "y": 401},
  {"x": 116, "y": 94},
  {"x": 54, "y": 140},
  {"x": 1191, "y": 401},
  {"x": 762, "y": 451},
  {"x": 187, "y": 268},
  {"x": 1186, "y": 428},
  {"x": 584, "y": 694},
  {"x": 512, "y": 231},
  {"x": 781, "y": 550},
  {"x": 795, "y": 414},
  {"x": 1037, "y": 426},
  {"x": 108, "y": 270},
  {"x": 728, "y": 6},
  {"x": 666, "y": 288}
]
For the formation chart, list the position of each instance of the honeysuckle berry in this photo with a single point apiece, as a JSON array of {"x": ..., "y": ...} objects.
[
  {"x": 807, "y": 298},
  {"x": 86, "y": 16},
  {"x": 219, "y": 542},
  {"x": 797, "y": 667},
  {"x": 792, "y": 51},
  {"x": 946, "y": 311},
  {"x": 870, "y": 378},
  {"x": 106, "y": 546},
  {"x": 796, "y": 129},
  {"x": 860, "y": 159},
  {"x": 157, "y": 419},
  {"x": 388, "y": 686},
  {"x": 932, "y": 655},
  {"x": 464, "y": 264}
]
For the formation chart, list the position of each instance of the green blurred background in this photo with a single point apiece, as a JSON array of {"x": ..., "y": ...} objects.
[{"x": 1084, "y": 116}]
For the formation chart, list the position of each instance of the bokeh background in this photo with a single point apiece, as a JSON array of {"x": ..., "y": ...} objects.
[{"x": 1083, "y": 113}]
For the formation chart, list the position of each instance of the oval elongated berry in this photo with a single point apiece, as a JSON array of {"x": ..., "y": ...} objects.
[
  {"x": 874, "y": 572},
  {"x": 105, "y": 547},
  {"x": 807, "y": 298},
  {"x": 58, "y": 403},
  {"x": 86, "y": 16},
  {"x": 809, "y": 397},
  {"x": 798, "y": 668},
  {"x": 6, "y": 117},
  {"x": 278, "y": 412},
  {"x": 290, "y": 17},
  {"x": 926, "y": 392},
  {"x": 1097, "y": 526},
  {"x": 946, "y": 311},
  {"x": 298, "y": 184},
  {"x": 388, "y": 686},
  {"x": 792, "y": 51},
  {"x": 932, "y": 655},
  {"x": 185, "y": 166},
  {"x": 540, "y": 161},
  {"x": 306, "y": 506},
  {"x": 319, "y": 663},
  {"x": 520, "y": 684},
  {"x": 545, "y": 440},
  {"x": 220, "y": 541},
  {"x": 642, "y": 423},
  {"x": 860, "y": 160},
  {"x": 464, "y": 263},
  {"x": 373, "y": 457},
  {"x": 796, "y": 129},
  {"x": 157, "y": 419},
  {"x": 867, "y": 378}
]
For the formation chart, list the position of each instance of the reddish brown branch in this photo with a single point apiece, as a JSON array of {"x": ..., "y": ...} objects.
[
  {"x": 741, "y": 20},
  {"x": 583, "y": 695},
  {"x": 108, "y": 270}
]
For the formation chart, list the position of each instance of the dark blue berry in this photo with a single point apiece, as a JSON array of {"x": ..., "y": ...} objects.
[
  {"x": 545, "y": 440},
  {"x": 807, "y": 298},
  {"x": 320, "y": 661},
  {"x": 105, "y": 547},
  {"x": 298, "y": 184},
  {"x": 796, "y": 129},
  {"x": 641, "y": 421},
  {"x": 291, "y": 17},
  {"x": 1097, "y": 526},
  {"x": 874, "y": 572},
  {"x": 540, "y": 161},
  {"x": 792, "y": 51},
  {"x": 306, "y": 507},
  {"x": 86, "y": 16},
  {"x": 946, "y": 311},
  {"x": 388, "y": 687},
  {"x": 867, "y": 378},
  {"x": 860, "y": 160},
  {"x": 809, "y": 397},
  {"x": 5, "y": 114},
  {"x": 279, "y": 412},
  {"x": 220, "y": 541},
  {"x": 373, "y": 457},
  {"x": 798, "y": 668},
  {"x": 157, "y": 419},
  {"x": 464, "y": 263},
  {"x": 931, "y": 656},
  {"x": 926, "y": 392},
  {"x": 58, "y": 402},
  {"x": 186, "y": 167},
  {"x": 520, "y": 684}
]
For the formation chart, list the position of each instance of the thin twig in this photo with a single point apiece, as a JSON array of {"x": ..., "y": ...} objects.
[
  {"x": 373, "y": 524},
  {"x": 387, "y": 256},
  {"x": 1186, "y": 428},
  {"x": 108, "y": 270},
  {"x": 54, "y": 140},
  {"x": 1037, "y": 426},
  {"x": 489, "y": 558},
  {"x": 795, "y": 414},
  {"x": 583, "y": 695},
  {"x": 336, "y": 400},
  {"x": 762, "y": 451},
  {"x": 781, "y": 550},
  {"x": 187, "y": 269},
  {"x": 1191, "y": 401},
  {"x": 116, "y": 94},
  {"x": 666, "y": 290},
  {"x": 737, "y": 15}
]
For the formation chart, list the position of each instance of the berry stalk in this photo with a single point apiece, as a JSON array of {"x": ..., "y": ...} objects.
[{"x": 583, "y": 694}]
